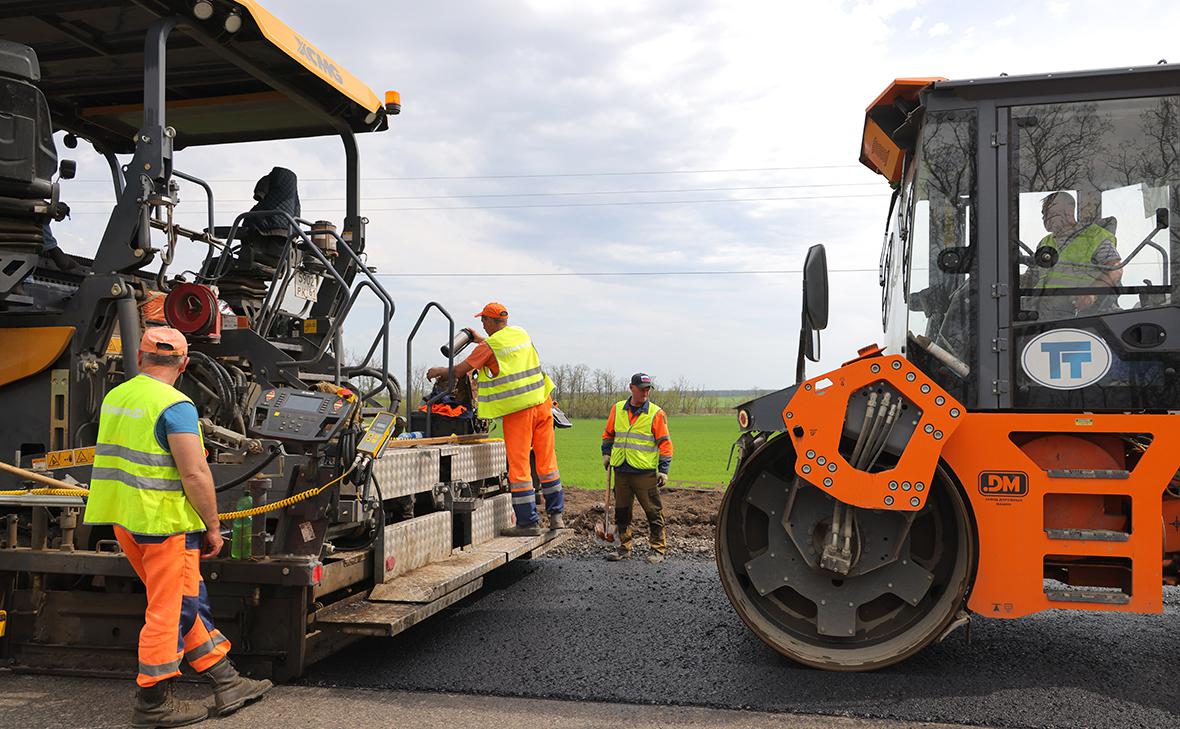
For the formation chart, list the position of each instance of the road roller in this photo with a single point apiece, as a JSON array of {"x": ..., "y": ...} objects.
[{"x": 1010, "y": 444}]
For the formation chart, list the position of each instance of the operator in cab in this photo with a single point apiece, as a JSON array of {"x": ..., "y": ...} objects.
[
  {"x": 152, "y": 484},
  {"x": 513, "y": 386},
  {"x": 1086, "y": 257}
]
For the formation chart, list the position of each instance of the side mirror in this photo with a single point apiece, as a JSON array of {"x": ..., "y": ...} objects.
[
  {"x": 1161, "y": 219},
  {"x": 815, "y": 288},
  {"x": 815, "y": 307},
  {"x": 68, "y": 168}
]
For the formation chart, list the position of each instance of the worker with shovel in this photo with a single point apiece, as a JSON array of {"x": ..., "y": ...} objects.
[{"x": 637, "y": 447}]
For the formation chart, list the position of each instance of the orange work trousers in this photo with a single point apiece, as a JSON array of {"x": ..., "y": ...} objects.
[
  {"x": 531, "y": 431},
  {"x": 178, "y": 623}
]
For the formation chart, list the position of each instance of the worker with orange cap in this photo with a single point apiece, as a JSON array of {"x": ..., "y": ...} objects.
[
  {"x": 513, "y": 386},
  {"x": 151, "y": 482}
]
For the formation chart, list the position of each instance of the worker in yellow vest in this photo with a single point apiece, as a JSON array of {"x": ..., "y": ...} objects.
[
  {"x": 637, "y": 445},
  {"x": 513, "y": 386},
  {"x": 151, "y": 482},
  {"x": 1087, "y": 258}
]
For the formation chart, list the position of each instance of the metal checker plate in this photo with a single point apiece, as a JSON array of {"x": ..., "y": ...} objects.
[
  {"x": 417, "y": 542},
  {"x": 407, "y": 471},
  {"x": 477, "y": 461},
  {"x": 491, "y": 517}
]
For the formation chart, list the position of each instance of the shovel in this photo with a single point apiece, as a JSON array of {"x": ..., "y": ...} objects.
[{"x": 605, "y": 532}]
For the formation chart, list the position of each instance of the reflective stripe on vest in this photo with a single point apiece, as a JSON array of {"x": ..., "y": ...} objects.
[
  {"x": 635, "y": 444},
  {"x": 1075, "y": 265},
  {"x": 134, "y": 481},
  {"x": 520, "y": 384}
]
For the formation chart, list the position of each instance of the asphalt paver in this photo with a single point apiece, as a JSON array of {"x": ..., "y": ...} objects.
[{"x": 585, "y": 629}]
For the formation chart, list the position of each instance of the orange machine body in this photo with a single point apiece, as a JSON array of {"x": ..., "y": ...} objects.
[{"x": 1044, "y": 489}]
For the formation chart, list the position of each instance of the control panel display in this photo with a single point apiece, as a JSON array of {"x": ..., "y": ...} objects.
[
  {"x": 303, "y": 403},
  {"x": 297, "y": 415}
]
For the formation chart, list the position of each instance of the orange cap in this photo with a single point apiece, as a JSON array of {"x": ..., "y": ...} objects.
[
  {"x": 163, "y": 340},
  {"x": 494, "y": 309}
]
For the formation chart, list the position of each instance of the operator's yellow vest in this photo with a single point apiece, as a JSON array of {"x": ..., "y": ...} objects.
[
  {"x": 1075, "y": 265},
  {"x": 520, "y": 384},
  {"x": 135, "y": 482},
  {"x": 634, "y": 442}
]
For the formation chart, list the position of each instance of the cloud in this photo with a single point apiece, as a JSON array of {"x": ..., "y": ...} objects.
[{"x": 621, "y": 87}]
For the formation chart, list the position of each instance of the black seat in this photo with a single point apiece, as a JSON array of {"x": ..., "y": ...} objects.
[
  {"x": 263, "y": 239},
  {"x": 28, "y": 161}
]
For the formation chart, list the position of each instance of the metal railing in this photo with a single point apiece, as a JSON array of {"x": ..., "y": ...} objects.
[{"x": 410, "y": 363}]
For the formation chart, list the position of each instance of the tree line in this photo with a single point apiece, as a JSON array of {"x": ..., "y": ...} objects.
[
  {"x": 585, "y": 393},
  {"x": 582, "y": 392}
]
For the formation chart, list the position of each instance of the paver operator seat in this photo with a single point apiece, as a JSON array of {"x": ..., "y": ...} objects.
[{"x": 28, "y": 161}]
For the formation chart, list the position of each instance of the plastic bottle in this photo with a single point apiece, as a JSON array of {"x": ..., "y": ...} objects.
[
  {"x": 242, "y": 540},
  {"x": 413, "y": 435}
]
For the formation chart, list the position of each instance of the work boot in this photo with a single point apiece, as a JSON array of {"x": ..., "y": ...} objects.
[
  {"x": 655, "y": 558},
  {"x": 556, "y": 521},
  {"x": 618, "y": 555},
  {"x": 528, "y": 530},
  {"x": 232, "y": 691},
  {"x": 155, "y": 706}
]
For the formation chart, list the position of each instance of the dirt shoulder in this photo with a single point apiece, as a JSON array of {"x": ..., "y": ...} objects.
[{"x": 689, "y": 517}]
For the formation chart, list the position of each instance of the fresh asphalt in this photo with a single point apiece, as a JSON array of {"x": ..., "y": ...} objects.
[{"x": 584, "y": 629}]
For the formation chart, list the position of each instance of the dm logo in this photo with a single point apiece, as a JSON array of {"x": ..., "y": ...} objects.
[
  {"x": 1066, "y": 359},
  {"x": 1003, "y": 483}
]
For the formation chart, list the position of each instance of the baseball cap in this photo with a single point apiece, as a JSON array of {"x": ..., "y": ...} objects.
[
  {"x": 494, "y": 309},
  {"x": 163, "y": 340},
  {"x": 641, "y": 380}
]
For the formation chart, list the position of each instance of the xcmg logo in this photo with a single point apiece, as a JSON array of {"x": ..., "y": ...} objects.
[
  {"x": 319, "y": 61},
  {"x": 1066, "y": 359},
  {"x": 1003, "y": 483}
]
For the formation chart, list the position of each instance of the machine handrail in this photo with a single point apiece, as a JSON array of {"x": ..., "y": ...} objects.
[{"x": 410, "y": 361}]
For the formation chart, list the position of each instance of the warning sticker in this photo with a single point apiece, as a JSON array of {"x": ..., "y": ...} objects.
[
  {"x": 59, "y": 459},
  {"x": 69, "y": 457},
  {"x": 307, "y": 531}
]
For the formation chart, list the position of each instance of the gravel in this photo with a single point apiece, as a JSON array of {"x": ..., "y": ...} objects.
[{"x": 580, "y": 628}]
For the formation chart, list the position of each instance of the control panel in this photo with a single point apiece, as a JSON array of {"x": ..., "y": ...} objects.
[
  {"x": 298, "y": 415},
  {"x": 377, "y": 435}
]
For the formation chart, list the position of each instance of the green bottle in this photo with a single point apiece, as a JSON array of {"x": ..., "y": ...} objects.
[{"x": 242, "y": 540}]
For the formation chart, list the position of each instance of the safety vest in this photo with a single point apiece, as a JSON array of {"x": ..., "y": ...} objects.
[
  {"x": 635, "y": 444},
  {"x": 520, "y": 384},
  {"x": 1075, "y": 267},
  {"x": 135, "y": 482}
]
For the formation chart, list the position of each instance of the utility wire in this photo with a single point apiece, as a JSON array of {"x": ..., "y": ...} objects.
[
  {"x": 547, "y": 175},
  {"x": 533, "y": 274},
  {"x": 543, "y": 194},
  {"x": 587, "y": 205}
]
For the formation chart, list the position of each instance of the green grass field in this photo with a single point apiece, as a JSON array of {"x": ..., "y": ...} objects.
[{"x": 701, "y": 444}]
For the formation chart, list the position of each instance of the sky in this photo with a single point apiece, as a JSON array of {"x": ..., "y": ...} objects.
[{"x": 658, "y": 139}]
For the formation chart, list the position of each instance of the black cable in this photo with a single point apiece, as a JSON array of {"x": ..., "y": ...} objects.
[{"x": 274, "y": 453}]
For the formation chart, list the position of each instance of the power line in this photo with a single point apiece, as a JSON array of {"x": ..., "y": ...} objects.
[
  {"x": 531, "y": 274},
  {"x": 547, "y": 174},
  {"x": 585, "y": 205},
  {"x": 545, "y": 194}
]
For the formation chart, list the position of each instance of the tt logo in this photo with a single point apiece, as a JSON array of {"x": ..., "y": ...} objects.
[
  {"x": 1003, "y": 483},
  {"x": 1066, "y": 354}
]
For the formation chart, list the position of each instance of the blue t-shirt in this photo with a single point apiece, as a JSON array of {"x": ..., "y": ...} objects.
[{"x": 178, "y": 418}]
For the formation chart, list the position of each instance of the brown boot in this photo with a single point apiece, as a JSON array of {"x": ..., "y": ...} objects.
[
  {"x": 232, "y": 691},
  {"x": 155, "y": 706}
]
